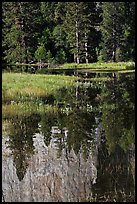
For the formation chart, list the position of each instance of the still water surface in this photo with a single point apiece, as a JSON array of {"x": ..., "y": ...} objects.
[{"x": 83, "y": 152}]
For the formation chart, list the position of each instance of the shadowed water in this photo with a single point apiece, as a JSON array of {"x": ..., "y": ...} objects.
[{"x": 83, "y": 152}]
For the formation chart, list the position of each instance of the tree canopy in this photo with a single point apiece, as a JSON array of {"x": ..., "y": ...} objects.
[{"x": 81, "y": 32}]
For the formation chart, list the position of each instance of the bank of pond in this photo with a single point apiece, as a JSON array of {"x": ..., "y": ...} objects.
[
  {"x": 68, "y": 138},
  {"x": 71, "y": 68}
]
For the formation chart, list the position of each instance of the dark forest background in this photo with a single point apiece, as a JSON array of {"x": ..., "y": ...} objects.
[{"x": 66, "y": 32}]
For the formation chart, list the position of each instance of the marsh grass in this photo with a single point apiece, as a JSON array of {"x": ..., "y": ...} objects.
[
  {"x": 6, "y": 126},
  {"x": 29, "y": 87},
  {"x": 24, "y": 94},
  {"x": 26, "y": 109},
  {"x": 100, "y": 79},
  {"x": 103, "y": 66},
  {"x": 127, "y": 71}
]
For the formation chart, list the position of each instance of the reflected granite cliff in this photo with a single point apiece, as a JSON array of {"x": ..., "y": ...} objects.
[{"x": 83, "y": 152}]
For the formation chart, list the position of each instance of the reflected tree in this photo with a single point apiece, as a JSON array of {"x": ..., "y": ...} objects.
[
  {"x": 115, "y": 166},
  {"x": 21, "y": 141},
  {"x": 115, "y": 180},
  {"x": 81, "y": 126},
  {"x": 118, "y": 115},
  {"x": 74, "y": 119},
  {"x": 47, "y": 121}
]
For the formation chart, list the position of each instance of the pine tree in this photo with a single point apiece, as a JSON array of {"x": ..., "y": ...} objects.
[
  {"x": 112, "y": 27},
  {"x": 128, "y": 43},
  {"x": 72, "y": 27},
  {"x": 79, "y": 24},
  {"x": 118, "y": 30},
  {"x": 20, "y": 32},
  {"x": 70, "y": 31}
]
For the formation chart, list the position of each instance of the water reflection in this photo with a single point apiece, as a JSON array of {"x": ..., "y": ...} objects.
[
  {"x": 83, "y": 152},
  {"x": 116, "y": 155},
  {"x": 115, "y": 176},
  {"x": 21, "y": 141}
]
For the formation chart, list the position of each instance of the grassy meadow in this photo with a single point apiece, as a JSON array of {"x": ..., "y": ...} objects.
[
  {"x": 15, "y": 86},
  {"x": 120, "y": 67},
  {"x": 24, "y": 93},
  {"x": 101, "y": 66}
]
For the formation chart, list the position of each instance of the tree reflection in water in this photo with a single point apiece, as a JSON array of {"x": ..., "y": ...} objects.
[
  {"x": 21, "y": 141},
  {"x": 93, "y": 130},
  {"x": 116, "y": 164}
]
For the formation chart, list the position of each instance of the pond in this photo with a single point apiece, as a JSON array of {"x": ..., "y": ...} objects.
[{"x": 82, "y": 150}]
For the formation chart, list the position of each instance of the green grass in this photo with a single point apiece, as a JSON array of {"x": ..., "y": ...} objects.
[
  {"x": 103, "y": 66},
  {"x": 107, "y": 70},
  {"x": 127, "y": 71},
  {"x": 24, "y": 93},
  {"x": 6, "y": 126},
  {"x": 27, "y": 87},
  {"x": 26, "y": 109}
]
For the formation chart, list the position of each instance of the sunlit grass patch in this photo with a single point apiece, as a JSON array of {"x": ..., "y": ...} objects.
[
  {"x": 127, "y": 71},
  {"x": 97, "y": 65},
  {"x": 17, "y": 87},
  {"x": 17, "y": 109},
  {"x": 31, "y": 91},
  {"x": 6, "y": 126},
  {"x": 25, "y": 109},
  {"x": 101, "y": 79}
]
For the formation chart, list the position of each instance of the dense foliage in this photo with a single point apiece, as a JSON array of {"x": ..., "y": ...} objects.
[{"x": 59, "y": 32}]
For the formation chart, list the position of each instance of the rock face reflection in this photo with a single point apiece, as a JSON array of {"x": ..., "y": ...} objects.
[
  {"x": 51, "y": 178},
  {"x": 83, "y": 152}
]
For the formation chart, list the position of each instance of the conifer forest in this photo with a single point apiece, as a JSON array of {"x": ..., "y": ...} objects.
[
  {"x": 68, "y": 101},
  {"x": 67, "y": 32}
]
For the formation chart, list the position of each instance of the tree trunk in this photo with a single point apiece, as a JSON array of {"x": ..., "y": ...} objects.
[
  {"x": 40, "y": 65},
  {"x": 77, "y": 37},
  {"x": 114, "y": 43},
  {"x": 74, "y": 57},
  {"x": 114, "y": 53},
  {"x": 86, "y": 48},
  {"x": 25, "y": 59}
]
